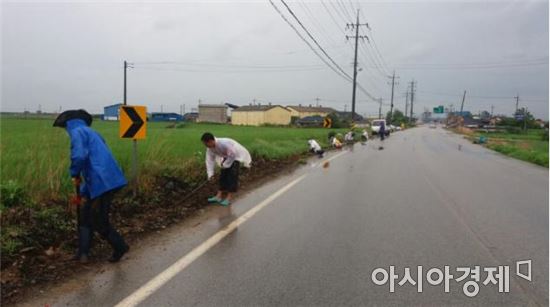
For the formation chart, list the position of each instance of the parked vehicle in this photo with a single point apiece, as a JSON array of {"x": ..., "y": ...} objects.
[{"x": 376, "y": 126}]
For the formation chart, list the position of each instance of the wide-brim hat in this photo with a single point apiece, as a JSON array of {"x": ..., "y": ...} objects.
[{"x": 61, "y": 120}]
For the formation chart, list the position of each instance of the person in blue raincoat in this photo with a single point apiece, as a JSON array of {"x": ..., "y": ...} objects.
[{"x": 92, "y": 160}]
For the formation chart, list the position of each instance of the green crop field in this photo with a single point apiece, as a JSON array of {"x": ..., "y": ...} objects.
[
  {"x": 528, "y": 146},
  {"x": 36, "y": 156}
]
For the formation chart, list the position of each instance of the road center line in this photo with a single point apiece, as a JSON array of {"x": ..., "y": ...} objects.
[{"x": 158, "y": 281}]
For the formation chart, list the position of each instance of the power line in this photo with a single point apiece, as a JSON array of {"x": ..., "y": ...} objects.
[
  {"x": 482, "y": 96},
  {"x": 320, "y": 29},
  {"x": 228, "y": 65},
  {"x": 345, "y": 76},
  {"x": 469, "y": 66},
  {"x": 313, "y": 39},
  {"x": 230, "y": 70}
]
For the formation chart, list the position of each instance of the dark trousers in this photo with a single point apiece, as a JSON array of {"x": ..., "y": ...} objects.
[
  {"x": 229, "y": 178},
  {"x": 94, "y": 217}
]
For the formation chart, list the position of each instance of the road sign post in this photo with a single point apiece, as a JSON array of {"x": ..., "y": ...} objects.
[{"x": 133, "y": 125}]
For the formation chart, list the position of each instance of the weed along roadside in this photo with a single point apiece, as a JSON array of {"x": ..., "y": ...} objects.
[
  {"x": 530, "y": 146},
  {"x": 38, "y": 237}
]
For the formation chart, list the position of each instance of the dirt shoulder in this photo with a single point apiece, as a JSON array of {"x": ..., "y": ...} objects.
[{"x": 166, "y": 202}]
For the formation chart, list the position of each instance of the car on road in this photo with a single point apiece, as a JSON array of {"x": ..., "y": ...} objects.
[
  {"x": 375, "y": 126},
  {"x": 433, "y": 125}
]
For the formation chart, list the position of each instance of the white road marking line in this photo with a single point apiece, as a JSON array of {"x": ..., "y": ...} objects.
[{"x": 158, "y": 281}]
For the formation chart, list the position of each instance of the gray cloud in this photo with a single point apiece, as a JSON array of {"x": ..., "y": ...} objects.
[{"x": 70, "y": 54}]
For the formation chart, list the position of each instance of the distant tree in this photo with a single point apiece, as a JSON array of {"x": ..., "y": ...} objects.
[
  {"x": 513, "y": 122},
  {"x": 336, "y": 121},
  {"x": 398, "y": 118}
]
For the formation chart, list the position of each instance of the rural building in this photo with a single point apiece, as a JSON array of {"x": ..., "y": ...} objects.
[
  {"x": 165, "y": 117},
  {"x": 261, "y": 115},
  {"x": 212, "y": 113},
  {"x": 303, "y": 111},
  {"x": 191, "y": 117},
  {"x": 112, "y": 112}
]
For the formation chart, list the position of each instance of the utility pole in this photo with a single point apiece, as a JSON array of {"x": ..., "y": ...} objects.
[
  {"x": 379, "y": 108},
  {"x": 517, "y": 103},
  {"x": 406, "y": 103},
  {"x": 345, "y": 108},
  {"x": 125, "y": 69},
  {"x": 462, "y": 104},
  {"x": 391, "y": 104},
  {"x": 412, "y": 98},
  {"x": 525, "y": 118},
  {"x": 357, "y": 36},
  {"x": 134, "y": 141},
  {"x": 317, "y": 101},
  {"x": 492, "y": 109}
]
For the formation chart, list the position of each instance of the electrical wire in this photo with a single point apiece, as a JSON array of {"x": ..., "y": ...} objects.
[
  {"x": 346, "y": 77},
  {"x": 314, "y": 40}
]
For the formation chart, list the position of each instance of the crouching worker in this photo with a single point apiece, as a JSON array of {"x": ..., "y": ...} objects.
[
  {"x": 348, "y": 137},
  {"x": 334, "y": 142},
  {"x": 315, "y": 148},
  {"x": 229, "y": 155},
  {"x": 92, "y": 159},
  {"x": 364, "y": 136}
]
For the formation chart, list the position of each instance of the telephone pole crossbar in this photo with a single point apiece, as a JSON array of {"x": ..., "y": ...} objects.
[{"x": 355, "y": 26}]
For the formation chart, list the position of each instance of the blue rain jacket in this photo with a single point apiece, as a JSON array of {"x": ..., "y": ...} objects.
[{"x": 91, "y": 158}]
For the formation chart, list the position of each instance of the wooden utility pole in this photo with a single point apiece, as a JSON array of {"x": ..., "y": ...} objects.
[
  {"x": 462, "y": 104},
  {"x": 134, "y": 141},
  {"x": 412, "y": 99},
  {"x": 406, "y": 103},
  {"x": 391, "y": 103},
  {"x": 357, "y": 36},
  {"x": 125, "y": 69}
]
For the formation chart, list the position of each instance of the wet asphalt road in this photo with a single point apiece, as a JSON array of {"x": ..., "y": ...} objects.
[{"x": 420, "y": 201}]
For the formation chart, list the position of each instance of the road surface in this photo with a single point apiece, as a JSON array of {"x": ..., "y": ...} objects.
[{"x": 315, "y": 237}]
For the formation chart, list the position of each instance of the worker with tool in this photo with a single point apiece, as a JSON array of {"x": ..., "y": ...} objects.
[
  {"x": 315, "y": 148},
  {"x": 92, "y": 159},
  {"x": 229, "y": 155}
]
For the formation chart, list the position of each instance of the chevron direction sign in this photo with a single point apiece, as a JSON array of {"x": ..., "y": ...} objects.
[{"x": 133, "y": 122}]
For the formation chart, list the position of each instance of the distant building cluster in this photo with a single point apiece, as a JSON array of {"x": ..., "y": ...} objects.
[{"x": 247, "y": 115}]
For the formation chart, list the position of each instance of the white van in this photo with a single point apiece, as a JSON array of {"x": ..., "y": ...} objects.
[{"x": 376, "y": 126}]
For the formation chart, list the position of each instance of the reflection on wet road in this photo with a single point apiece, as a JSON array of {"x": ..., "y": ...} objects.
[{"x": 420, "y": 201}]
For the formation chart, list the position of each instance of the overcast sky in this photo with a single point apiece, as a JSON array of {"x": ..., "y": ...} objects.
[{"x": 70, "y": 54}]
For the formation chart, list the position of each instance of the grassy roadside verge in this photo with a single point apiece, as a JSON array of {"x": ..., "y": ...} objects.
[
  {"x": 38, "y": 230},
  {"x": 530, "y": 146}
]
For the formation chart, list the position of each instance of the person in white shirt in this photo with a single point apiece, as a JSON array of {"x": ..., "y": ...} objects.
[
  {"x": 229, "y": 155},
  {"x": 364, "y": 136},
  {"x": 349, "y": 137},
  {"x": 315, "y": 148}
]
